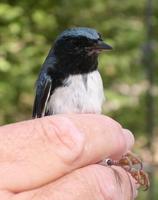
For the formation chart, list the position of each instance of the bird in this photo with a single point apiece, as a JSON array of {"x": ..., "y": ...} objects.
[{"x": 69, "y": 80}]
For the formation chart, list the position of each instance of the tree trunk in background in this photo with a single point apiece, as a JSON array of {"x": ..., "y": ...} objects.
[{"x": 148, "y": 62}]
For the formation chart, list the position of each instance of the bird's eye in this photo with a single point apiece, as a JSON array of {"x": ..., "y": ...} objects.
[
  {"x": 72, "y": 42},
  {"x": 79, "y": 41}
]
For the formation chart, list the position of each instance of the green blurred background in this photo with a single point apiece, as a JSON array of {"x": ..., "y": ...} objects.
[{"x": 130, "y": 73}]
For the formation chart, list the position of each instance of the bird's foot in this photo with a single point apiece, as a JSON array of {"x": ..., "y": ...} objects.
[{"x": 132, "y": 164}]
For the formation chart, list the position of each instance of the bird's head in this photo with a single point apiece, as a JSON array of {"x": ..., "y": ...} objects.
[{"x": 79, "y": 47}]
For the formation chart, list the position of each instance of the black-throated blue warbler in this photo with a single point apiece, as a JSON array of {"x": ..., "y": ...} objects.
[{"x": 69, "y": 81}]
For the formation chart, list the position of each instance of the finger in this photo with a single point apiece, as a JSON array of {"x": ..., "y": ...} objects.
[
  {"x": 129, "y": 138},
  {"x": 117, "y": 141},
  {"x": 91, "y": 183},
  {"x": 38, "y": 151}
]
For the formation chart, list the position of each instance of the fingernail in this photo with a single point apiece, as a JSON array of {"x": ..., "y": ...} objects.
[{"x": 129, "y": 137}]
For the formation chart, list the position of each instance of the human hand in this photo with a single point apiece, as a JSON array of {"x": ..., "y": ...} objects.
[{"x": 54, "y": 158}]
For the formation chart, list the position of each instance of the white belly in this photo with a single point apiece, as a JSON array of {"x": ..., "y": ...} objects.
[{"x": 78, "y": 97}]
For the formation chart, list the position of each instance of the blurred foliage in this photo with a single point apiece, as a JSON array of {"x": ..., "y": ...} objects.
[{"x": 28, "y": 29}]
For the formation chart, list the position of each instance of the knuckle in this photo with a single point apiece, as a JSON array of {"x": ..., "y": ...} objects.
[
  {"x": 87, "y": 177},
  {"x": 104, "y": 176},
  {"x": 66, "y": 140},
  {"x": 96, "y": 179}
]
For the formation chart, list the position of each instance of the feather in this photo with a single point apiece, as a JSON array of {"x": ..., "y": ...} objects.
[{"x": 42, "y": 95}]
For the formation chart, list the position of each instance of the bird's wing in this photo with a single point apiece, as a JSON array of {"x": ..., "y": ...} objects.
[{"x": 43, "y": 89}]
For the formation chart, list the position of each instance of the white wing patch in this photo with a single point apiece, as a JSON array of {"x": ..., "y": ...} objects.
[
  {"x": 76, "y": 98},
  {"x": 45, "y": 106}
]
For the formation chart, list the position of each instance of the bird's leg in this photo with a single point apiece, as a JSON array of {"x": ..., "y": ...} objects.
[{"x": 132, "y": 164}]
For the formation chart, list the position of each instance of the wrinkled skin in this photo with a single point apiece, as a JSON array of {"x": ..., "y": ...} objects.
[{"x": 54, "y": 158}]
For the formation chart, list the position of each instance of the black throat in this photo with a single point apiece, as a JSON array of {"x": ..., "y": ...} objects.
[
  {"x": 76, "y": 64},
  {"x": 66, "y": 65}
]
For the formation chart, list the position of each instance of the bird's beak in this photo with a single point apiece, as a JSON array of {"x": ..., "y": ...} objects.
[
  {"x": 98, "y": 47},
  {"x": 102, "y": 46}
]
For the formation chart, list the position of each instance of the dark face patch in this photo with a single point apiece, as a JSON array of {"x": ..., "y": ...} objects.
[
  {"x": 73, "y": 46},
  {"x": 74, "y": 52}
]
